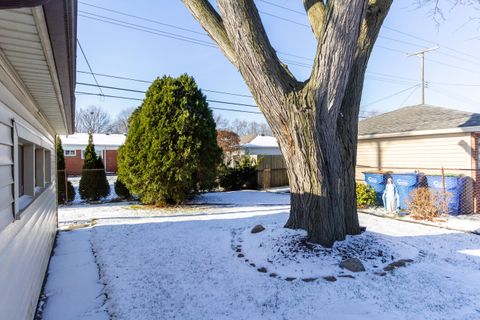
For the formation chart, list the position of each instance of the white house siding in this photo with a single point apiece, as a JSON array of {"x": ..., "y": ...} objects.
[
  {"x": 25, "y": 242},
  {"x": 451, "y": 151}
]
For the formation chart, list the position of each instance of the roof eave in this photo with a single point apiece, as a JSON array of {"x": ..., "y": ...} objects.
[
  {"x": 419, "y": 133},
  {"x": 61, "y": 20}
]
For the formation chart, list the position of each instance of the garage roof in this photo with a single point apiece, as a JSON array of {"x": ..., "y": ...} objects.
[{"x": 419, "y": 118}]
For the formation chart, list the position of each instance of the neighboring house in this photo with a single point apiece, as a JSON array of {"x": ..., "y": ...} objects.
[
  {"x": 37, "y": 82},
  {"x": 262, "y": 145},
  {"x": 106, "y": 146},
  {"x": 426, "y": 139},
  {"x": 420, "y": 137},
  {"x": 271, "y": 167}
]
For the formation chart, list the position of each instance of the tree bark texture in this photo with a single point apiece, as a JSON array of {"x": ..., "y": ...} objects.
[{"x": 315, "y": 121}]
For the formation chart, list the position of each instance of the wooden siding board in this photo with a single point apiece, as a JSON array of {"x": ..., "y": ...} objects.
[
  {"x": 436, "y": 151},
  {"x": 25, "y": 258}
]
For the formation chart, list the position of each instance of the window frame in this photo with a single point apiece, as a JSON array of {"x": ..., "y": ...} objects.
[
  {"x": 35, "y": 148},
  {"x": 65, "y": 153}
]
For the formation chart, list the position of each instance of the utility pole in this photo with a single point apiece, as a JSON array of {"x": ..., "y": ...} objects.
[{"x": 421, "y": 54}]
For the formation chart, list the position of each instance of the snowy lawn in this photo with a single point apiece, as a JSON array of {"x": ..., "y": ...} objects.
[{"x": 202, "y": 262}]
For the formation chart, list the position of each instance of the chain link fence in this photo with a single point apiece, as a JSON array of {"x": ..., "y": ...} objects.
[{"x": 424, "y": 192}]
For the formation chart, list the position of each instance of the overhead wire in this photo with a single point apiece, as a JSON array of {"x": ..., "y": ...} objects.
[
  {"x": 388, "y": 97},
  {"x": 149, "y": 82},
  {"x": 138, "y": 99},
  {"x": 89, "y": 66},
  {"x": 143, "y": 91}
]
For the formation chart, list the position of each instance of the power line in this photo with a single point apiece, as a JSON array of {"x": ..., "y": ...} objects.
[
  {"x": 457, "y": 96},
  {"x": 408, "y": 97},
  {"x": 389, "y": 96},
  {"x": 89, "y": 67},
  {"x": 145, "y": 19},
  {"x": 138, "y": 99},
  {"x": 215, "y": 108},
  {"x": 171, "y": 35},
  {"x": 284, "y": 19},
  {"x": 149, "y": 82},
  {"x": 138, "y": 27},
  {"x": 429, "y": 41},
  {"x": 283, "y": 8},
  {"x": 142, "y": 91},
  {"x": 176, "y": 36}
]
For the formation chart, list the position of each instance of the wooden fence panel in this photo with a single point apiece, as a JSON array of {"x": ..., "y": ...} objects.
[{"x": 272, "y": 172}]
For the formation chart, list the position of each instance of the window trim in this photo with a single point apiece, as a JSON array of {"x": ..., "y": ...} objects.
[
  {"x": 23, "y": 135},
  {"x": 65, "y": 153}
]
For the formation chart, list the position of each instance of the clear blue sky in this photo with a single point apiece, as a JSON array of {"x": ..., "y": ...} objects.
[{"x": 116, "y": 50}]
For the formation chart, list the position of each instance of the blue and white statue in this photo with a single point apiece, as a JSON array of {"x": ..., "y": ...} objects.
[{"x": 390, "y": 197}]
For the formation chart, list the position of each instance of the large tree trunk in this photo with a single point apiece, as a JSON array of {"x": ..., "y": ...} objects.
[{"x": 315, "y": 121}]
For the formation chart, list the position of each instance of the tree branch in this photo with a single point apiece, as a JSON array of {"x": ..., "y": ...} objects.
[
  {"x": 211, "y": 21},
  {"x": 259, "y": 63},
  {"x": 332, "y": 66},
  {"x": 316, "y": 12}
]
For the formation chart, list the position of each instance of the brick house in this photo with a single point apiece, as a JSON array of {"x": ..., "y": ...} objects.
[{"x": 106, "y": 146}]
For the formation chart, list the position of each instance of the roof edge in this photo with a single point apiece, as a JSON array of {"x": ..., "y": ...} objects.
[{"x": 419, "y": 133}]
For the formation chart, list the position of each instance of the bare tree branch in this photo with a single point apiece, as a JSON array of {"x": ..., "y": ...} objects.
[
  {"x": 92, "y": 119},
  {"x": 249, "y": 39},
  {"x": 211, "y": 21}
]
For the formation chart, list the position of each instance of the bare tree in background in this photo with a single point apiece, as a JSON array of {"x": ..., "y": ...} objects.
[
  {"x": 221, "y": 122},
  {"x": 120, "y": 125},
  {"x": 92, "y": 118},
  {"x": 315, "y": 121},
  {"x": 244, "y": 127}
]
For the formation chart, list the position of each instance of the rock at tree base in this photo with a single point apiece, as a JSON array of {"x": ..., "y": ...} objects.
[
  {"x": 352, "y": 264},
  {"x": 258, "y": 228}
]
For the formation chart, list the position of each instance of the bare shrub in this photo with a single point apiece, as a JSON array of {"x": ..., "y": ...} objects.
[{"x": 428, "y": 204}]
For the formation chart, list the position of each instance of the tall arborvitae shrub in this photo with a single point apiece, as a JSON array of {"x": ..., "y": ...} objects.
[
  {"x": 93, "y": 184},
  {"x": 61, "y": 176},
  {"x": 170, "y": 151}
]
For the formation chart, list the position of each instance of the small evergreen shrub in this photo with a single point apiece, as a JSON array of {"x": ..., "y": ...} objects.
[
  {"x": 93, "y": 183},
  {"x": 366, "y": 196},
  {"x": 121, "y": 190},
  {"x": 171, "y": 150},
  {"x": 61, "y": 194},
  {"x": 243, "y": 175}
]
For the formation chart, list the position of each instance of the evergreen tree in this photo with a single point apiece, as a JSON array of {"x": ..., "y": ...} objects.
[
  {"x": 93, "y": 184},
  {"x": 121, "y": 190},
  {"x": 170, "y": 151},
  {"x": 61, "y": 175}
]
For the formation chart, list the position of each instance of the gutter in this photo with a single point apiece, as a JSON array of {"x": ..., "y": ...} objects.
[{"x": 419, "y": 133}]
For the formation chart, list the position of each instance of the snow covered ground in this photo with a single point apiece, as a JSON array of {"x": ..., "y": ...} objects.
[
  {"x": 201, "y": 262},
  {"x": 464, "y": 222}
]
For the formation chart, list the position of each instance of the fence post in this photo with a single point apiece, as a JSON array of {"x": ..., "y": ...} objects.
[
  {"x": 444, "y": 191},
  {"x": 66, "y": 186}
]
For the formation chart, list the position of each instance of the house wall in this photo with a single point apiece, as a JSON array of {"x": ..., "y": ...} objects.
[
  {"x": 27, "y": 231},
  {"x": 74, "y": 164},
  {"x": 450, "y": 151}
]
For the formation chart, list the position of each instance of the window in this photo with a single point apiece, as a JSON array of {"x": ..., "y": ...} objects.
[
  {"x": 70, "y": 153},
  {"x": 26, "y": 173},
  {"x": 39, "y": 169},
  {"x": 48, "y": 167},
  {"x": 21, "y": 168},
  {"x": 98, "y": 152}
]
